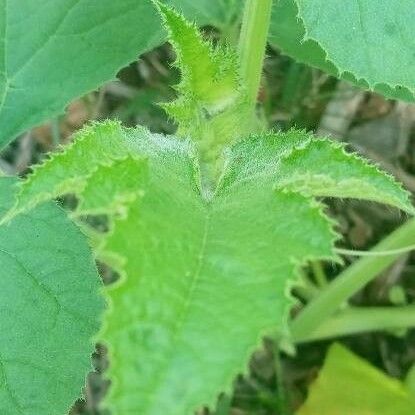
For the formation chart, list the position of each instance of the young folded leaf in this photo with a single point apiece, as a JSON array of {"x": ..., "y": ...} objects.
[
  {"x": 209, "y": 75},
  {"x": 211, "y": 108},
  {"x": 372, "y": 40},
  {"x": 184, "y": 245},
  {"x": 175, "y": 339}
]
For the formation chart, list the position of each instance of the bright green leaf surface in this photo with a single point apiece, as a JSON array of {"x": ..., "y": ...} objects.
[
  {"x": 373, "y": 52},
  {"x": 211, "y": 108},
  {"x": 99, "y": 195},
  {"x": 50, "y": 310},
  {"x": 348, "y": 385},
  {"x": 52, "y": 179},
  {"x": 325, "y": 169},
  {"x": 175, "y": 338}
]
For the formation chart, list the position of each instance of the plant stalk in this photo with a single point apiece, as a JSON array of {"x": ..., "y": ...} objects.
[
  {"x": 361, "y": 319},
  {"x": 252, "y": 44},
  {"x": 281, "y": 387},
  {"x": 350, "y": 281}
]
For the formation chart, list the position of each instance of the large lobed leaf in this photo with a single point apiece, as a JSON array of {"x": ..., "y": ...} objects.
[
  {"x": 347, "y": 385},
  {"x": 175, "y": 337},
  {"x": 50, "y": 310}
]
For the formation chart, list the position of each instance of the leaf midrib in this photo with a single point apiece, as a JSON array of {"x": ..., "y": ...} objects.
[{"x": 186, "y": 307}]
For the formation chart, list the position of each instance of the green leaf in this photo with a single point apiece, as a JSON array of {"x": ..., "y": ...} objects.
[
  {"x": 50, "y": 310},
  {"x": 218, "y": 13},
  {"x": 211, "y": 108},
  {"x": 72, "y": 47},
  {"x": 99, "y": 195},
  {"x": 51, "y": 179},
  {"x": 209, "y": 75},
  {"x": 194, "y": 254},
  {"x": 348, "y": 384},
  {"x": 184, "y": 250},
  {"x": 373, "y": 52},
  {"x": 325, "y": 169},
  {"x": 371, "y": 40},
  {"x": 287, "y": 32}
]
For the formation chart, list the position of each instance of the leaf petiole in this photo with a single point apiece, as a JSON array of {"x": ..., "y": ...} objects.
[
  {"x": 252, "y": 43},
  {"x": 356, "y": 320},
  {"x": 350, "y": 281}
]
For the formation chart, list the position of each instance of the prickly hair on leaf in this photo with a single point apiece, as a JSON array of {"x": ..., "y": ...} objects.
[{"x": 211, "y": 107}]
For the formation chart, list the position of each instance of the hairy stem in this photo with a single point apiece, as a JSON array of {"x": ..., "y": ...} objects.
[
  {"x": 361, "y": 319},
  {"x": 252, "y": 43},
  {"x": 351, "y": 281}
]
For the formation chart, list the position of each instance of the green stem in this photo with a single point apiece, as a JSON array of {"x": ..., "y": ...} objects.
[
  {"x": 281, "y": 388},
  {"x": 362, "y": 319},
  {"x": 350, "y": 281},
  {"x": 319, "y": 274},
  {"x": 306, "y": 288},
  {"x": 252, "y": 43}
]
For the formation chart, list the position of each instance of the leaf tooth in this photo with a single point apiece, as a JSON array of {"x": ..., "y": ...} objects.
[
  {"x": 67, "y": 171},
  {"x": 358, "y": 77}
]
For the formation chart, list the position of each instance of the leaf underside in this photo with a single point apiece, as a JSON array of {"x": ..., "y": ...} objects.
[
  {"x": 174, "y": 336},
  {"x": 50, "y": 310},
  {"x": 348, "y": 384}
]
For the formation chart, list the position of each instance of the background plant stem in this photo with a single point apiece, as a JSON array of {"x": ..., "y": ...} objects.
[
  {"x": 350, "y": 281},
  {"x": 252, "y": 43},
  {"x": 362, "y": 319}
]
